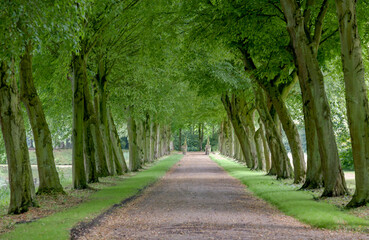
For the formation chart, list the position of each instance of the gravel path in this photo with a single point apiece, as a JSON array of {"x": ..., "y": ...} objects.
[{"x": 199, "y": 200}]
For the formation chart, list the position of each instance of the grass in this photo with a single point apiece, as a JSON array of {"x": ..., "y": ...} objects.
[
  {"x": 57, "y": 226},
  {"x": 298, "y": 204},
  {"x": 65, "y": 176},
  {"x": 62, "y": 156}
]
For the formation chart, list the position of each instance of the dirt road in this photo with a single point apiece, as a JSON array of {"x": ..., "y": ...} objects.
[{"x": 199, "y": 200}]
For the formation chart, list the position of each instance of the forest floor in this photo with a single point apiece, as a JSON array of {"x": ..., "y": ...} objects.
[
  {"x": 64, "y": 214},
  {"x": 54, "y": 203},
  {"x": 198, "y": 200},
  {"x": 49, "y": 205}
]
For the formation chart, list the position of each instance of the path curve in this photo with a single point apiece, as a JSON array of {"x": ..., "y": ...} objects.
[{"x": 198, "y": 200}]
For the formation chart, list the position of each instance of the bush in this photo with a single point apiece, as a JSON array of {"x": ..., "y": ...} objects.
[
  {"x": 347, "y": 159},
  {"x": 2, "y": 157},
  {"x": 2, "y": 152}
]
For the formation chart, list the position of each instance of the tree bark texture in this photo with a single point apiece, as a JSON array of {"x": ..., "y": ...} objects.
[
  {"x": 259, "y": 150},
  {"x": 221, "y": 138},
  {"x": 22, "y": 189},
  {"x": 147, "y": 142},
  {"x": 292, "y": 134},
  {"x": 134, "y": 162},
  {"x": 310, "y": 73},
  {"x": 119, "y": 161},
  {"x": 78, "y": 168},
  {"x": 155, "y": 140},
  {"x": 90, "y": 138},
  {"x": 356, "y": 97},
  {"x": 249, "y": 126},
  {"x": 103, "y": 119},
  {"x": 279, "y": 155},
  {"x": 314, "y": 175},
  {"x": 152, "y": 141},
  {"x": 232, "y": 110},
  {"x": 102, "y": 166},
  {"x": 49, "y": 178},
  {"x": 265, "y": 146},
  {"x": 168, "y": 140}
]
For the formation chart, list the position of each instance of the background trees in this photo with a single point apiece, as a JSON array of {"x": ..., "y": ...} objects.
[{"x": 250, "y": 75}]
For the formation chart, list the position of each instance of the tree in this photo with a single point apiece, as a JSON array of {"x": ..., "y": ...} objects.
[
  {"x": 356, "y": 97},
  {"x": 310, "y": 75},
  {"x": 49, "y": 179},
  {"x": 22, "y": 189}
]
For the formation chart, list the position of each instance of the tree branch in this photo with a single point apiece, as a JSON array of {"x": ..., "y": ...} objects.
[
  {"x": 319, "y": 23},
  {"x": 307, "y": 16},
  {"x": 328, "y": 36}
]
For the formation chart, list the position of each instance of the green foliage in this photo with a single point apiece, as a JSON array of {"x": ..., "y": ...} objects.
[
  {"x": 57, "y": 226},
  {"x": 191, "y": 133},
  {"x": 347, "y": 159},
  {"x": 287, "y": 198},
  {"x": 336, "y": 95},
  {"x": 170, "y": 60},
  {"x": 2, "y": 151}
]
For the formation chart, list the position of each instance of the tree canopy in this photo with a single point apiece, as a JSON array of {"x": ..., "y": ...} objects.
[{"x": 260, "y": 78}]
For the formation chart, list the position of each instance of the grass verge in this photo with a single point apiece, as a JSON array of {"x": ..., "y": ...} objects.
[
  {"x": 298, "y": 204},
  {"x": 57, "y": 226}
]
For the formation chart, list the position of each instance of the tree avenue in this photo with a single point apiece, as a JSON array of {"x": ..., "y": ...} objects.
[{"x": 254, "y": 80}]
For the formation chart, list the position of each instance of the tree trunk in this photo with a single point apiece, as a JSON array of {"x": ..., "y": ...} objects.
[
  {"x": 152, "y": 142},
  {"x": 90, "y": 138},
  {"x": 310, "y": 73},
  {"x": 229, "y": 139},
  {"x": 180, "y": 139},
  {"x": 140, "y": 142},
  {"x": 161, "y": 140},
  {"x": 145, "y": 141},
  {"x": 221, "y": 138},
  {"x": 103, "y": 119},
  {"x": 169, "y": 136},
  {"x": 155, "y": 140},
  {"x": 166, "y": 142},
  {"x": 279, "y": 155},
  {"x": 102, "y": 166},
  {"x": 134, "y": 162},
  {"x": 49, "y": 179},
  {"x": 233, "y": 115},
  {"x": 22, "y": 189},
  {"x": 356, "y": 98},
  {"x": 119, "y": 161},
  {"x": 202, "y": 136},
  {"x": 89, "y": 152},
  {"x": 265, "y": 146},
  {"x": 200, "y": 145},
  {"x": 225, "y": 137},
  {"x": 232, "y": 137},
  {"x": 78, "y": 168},
  {"x": 259, "y": 150},
  {"x": 314, "y": 176},
  {"x": 236, "y": 149},
  {"x": 107, "y": 141},
  {"x": 292, "y": 134},
  {"x": 248, "y": 124},
  {"x": 148, "y": 141}
]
